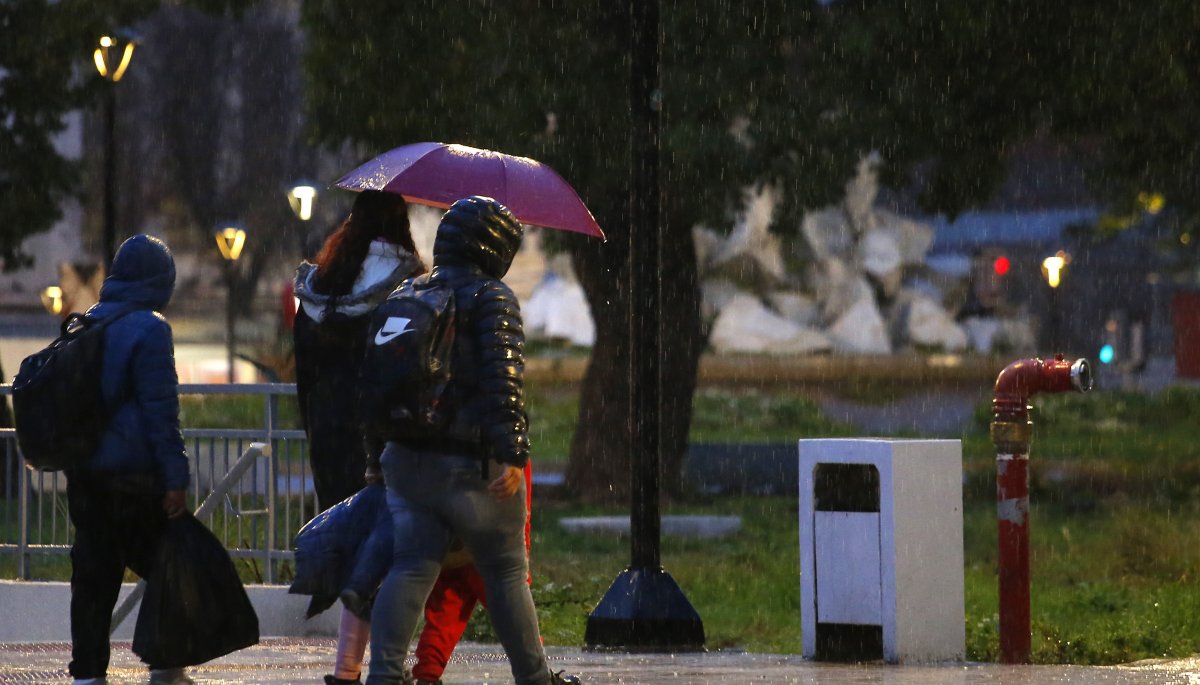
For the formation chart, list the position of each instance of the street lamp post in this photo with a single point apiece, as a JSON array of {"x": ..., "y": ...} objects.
[
  {"x": 230, "y": 241},
  {"x": 1053, "y": 269},
  {"x": 302, "y": 197},
  {"x": 644, "y": 609},
  {"x": 112, "y": 57}
]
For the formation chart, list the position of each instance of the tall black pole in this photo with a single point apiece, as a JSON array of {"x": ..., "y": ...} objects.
[
  {"x": 644, "y": 609},
  {"x": 229, "y": 337},
  {"x": 1056, "y": 344},
  {"x": 110, "y": 174},
  {"x": 645, "y": 286}
]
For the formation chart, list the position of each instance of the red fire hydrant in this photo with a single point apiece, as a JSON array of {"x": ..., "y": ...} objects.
[{"x": 1011, "y": 434}]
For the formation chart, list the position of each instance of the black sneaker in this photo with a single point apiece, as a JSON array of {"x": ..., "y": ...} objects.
[
  {"x": 560, "y": 679},
  {"x": 332, "y": 680}
]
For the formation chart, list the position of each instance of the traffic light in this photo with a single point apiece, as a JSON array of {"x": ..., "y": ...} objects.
[
  {"x": 1123, "y": 342},
  {"x": 1001, "y": 265},
  {"x": 991, "y": 267},
  {"x": 1110, "y": 341}
]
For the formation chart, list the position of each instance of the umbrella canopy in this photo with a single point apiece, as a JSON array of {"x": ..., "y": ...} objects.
[{"x": 438, "y": 174}]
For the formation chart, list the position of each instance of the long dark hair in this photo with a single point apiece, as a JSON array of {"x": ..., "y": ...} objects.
[{"x": 374, "y": 215}]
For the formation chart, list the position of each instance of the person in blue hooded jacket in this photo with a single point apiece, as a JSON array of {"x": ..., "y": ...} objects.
[{"x": 120, "y": 501}]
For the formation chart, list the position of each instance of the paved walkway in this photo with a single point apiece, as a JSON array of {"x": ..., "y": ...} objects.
[{"x": 289, "y": 660}]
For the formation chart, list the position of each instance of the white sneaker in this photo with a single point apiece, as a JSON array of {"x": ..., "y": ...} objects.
[{"x": 170, "y": 676}]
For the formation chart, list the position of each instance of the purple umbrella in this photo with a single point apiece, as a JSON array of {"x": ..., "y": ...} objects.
[{"x": 438, "y": 174}]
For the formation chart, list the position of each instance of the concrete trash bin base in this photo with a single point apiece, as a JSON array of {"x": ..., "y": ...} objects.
[{"x": 881, "y": 550}]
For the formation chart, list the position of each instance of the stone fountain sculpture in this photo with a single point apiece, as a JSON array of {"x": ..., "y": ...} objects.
[
  {"x": 854, "y": 286},
  {"x": 853, "y": 281}
]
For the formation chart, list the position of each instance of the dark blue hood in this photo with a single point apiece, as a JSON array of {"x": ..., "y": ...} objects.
[
  {"x": 143, "y": 272},
  {"x": 477, "y": 232}
]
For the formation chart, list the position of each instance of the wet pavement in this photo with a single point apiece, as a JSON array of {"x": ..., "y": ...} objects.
[{"x": 290, "y": 660}]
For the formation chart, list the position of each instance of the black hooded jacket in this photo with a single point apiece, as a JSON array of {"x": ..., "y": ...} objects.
[
  {"x": 475, "y": 245},
  {"x": 330, "y": 336}
]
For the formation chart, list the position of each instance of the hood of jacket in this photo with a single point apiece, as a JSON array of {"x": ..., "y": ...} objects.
[
  {"x": 142, "y": 273},
  {"x": 385, "y": 267},
  {"x": 480, "y": 233}
]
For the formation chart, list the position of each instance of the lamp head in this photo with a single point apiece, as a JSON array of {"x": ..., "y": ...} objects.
[
  {"x": 52, "y": 299},
  {"x": 113, "y": 54},
  {"x": 301, "y": 197},
  {"x": 230, "y": 241},
  {"x": 1054, "y": 266}
]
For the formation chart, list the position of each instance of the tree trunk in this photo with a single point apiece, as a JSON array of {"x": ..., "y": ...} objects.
[
  {"x": 599, "y": 467},
  {"x": 682, "y": 344}
]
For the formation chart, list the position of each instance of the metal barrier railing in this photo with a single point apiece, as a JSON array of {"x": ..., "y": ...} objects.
[
  {"x": 260, "y": 513},
  {"x": 255, "y": 451}
]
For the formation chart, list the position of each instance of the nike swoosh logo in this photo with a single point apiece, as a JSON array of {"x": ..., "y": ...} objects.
[{"x": 394, "y": 327}]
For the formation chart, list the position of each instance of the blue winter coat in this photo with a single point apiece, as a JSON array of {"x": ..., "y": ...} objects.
[{"x": 139, "y": 382}]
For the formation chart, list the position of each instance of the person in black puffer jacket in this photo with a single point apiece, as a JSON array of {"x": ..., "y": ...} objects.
[{"x": 435, "y": 488}]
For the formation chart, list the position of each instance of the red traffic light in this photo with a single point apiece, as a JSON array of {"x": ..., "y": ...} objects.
[{"x": 1001, "y": 265}]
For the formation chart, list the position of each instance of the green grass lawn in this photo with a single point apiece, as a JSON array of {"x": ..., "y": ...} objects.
[
  {"x": 236, "y": 411},
  {"x": 1114, "y": 584},
  {"x": 1115, "y": 527},
  {"x": 1117, "y": 585},
  {"x": 1115, "y": 533}
]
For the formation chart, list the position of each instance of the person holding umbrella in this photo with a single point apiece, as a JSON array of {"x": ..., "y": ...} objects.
[
  {"x": 360, "y": 263},
  {"x": 436, "y": 491}
]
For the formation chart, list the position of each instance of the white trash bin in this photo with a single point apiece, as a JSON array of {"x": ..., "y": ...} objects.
[{"x": 881, "y": 550}]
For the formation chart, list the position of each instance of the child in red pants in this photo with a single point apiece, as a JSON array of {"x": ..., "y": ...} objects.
[{"x": 447, "y": 611}]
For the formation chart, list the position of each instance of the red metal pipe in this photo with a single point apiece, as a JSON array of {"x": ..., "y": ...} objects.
[
  {"x": 1012, "y": 524},
  {"x": 1024, "y": 378},
  {"x": 1011, "y": 434}
]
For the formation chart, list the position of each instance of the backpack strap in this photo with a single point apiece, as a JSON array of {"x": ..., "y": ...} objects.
[
  {"x": 84, "y": 322},
  {"x": 457, "y": 439}
]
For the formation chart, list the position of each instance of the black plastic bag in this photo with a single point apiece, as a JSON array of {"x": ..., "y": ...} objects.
[
  {"x": 195, "y": 608},
  {"x": 327, "y": 546}
]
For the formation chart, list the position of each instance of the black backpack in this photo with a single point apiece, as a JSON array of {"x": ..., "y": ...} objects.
[
  {"x": 406, "y": 365},
  {"x": 58, "y": 406}
]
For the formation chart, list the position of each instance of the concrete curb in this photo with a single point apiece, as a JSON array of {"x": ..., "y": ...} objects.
[
  {"x": 683, "y": 526},
  {"x": 40, "y": 612}
]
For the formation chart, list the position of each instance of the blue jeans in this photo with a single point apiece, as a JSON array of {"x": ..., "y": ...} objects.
[
  {"x": 433, "y": 497},
  {"x": 374, "y": 558}
]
